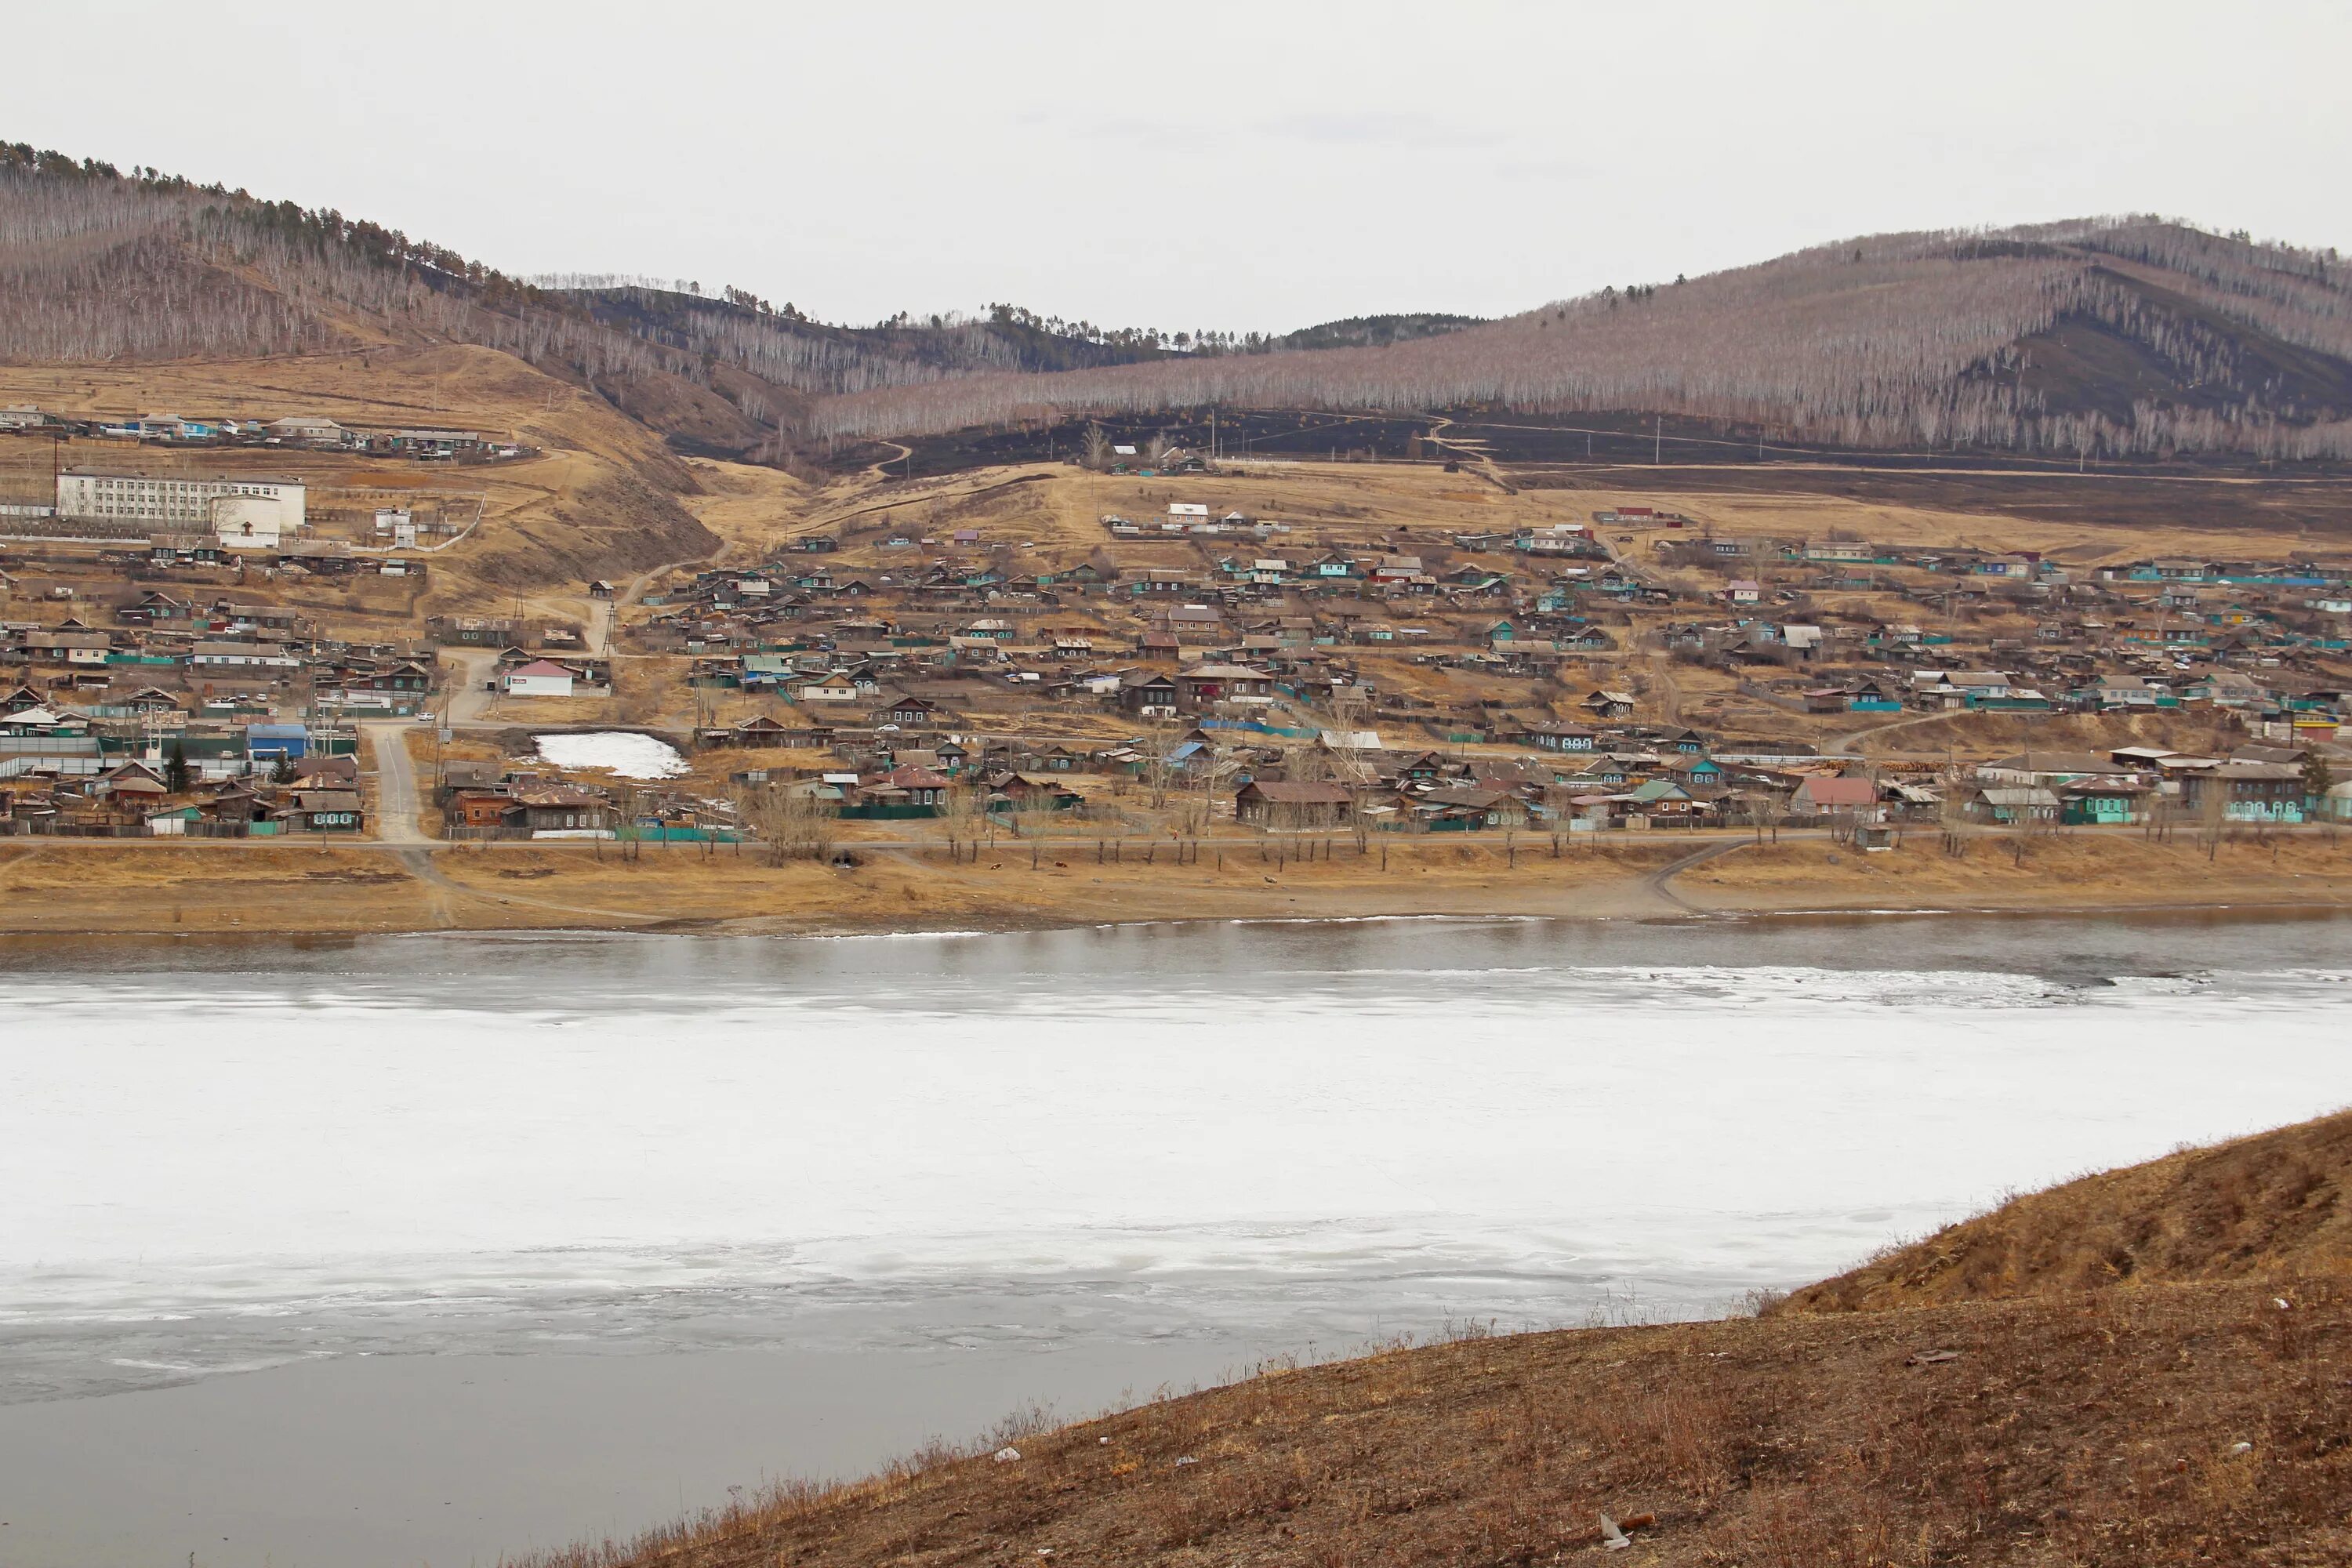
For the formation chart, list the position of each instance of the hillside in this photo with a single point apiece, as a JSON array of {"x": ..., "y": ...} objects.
[
  {"x": 2134, "y": 337},
  {"x": 1998, "y": 1419},
  {"x": 760, "y": 355},
  {"x": 2105, "y": 1431},
  {"x": 104, "y": 267},
  {"x": 97, "y": 266},
  {"x": 605, "y": 497},
  {"x": 2123, "y": 338},
  {"x": 2270, "y": 1204}
]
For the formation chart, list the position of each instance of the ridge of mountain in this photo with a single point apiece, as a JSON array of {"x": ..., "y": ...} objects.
[{"x": 2117, "y": 338}]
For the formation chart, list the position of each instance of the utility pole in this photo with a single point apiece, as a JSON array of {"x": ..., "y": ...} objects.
[{"x": 1657, "y": 440}]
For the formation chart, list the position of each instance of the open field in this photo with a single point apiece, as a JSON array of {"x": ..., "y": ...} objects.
[
  {"x": 897, "y": 884},
  {"x": 254, "y": 887},
  {"x": 2073, "y": 871},
  {"x": 2310, "y": 508},
  {"x": 1054, "y": 509}
]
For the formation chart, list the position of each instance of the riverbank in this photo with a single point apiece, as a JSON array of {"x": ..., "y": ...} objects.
[
  {"x": 137, "y": 887},
  {"x": 2163, "y": 1395},
  {"x": 2173, "y": 1424}
]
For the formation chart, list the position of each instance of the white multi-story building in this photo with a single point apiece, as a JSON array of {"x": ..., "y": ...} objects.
[{"x": 242, "y": 513}]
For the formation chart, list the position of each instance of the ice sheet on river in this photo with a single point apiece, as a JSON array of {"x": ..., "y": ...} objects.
[{"x": 622, "y": 1144}]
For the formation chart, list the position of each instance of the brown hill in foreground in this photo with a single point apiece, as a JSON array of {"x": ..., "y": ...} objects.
[
  {"x": 2012, "y": 1419},
  {"x": 2101, "y": 1429},
  {"x": 2276, "y": 1204}
]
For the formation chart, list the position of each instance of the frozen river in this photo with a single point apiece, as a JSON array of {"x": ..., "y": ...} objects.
[{"x": 900, "y": 1184}]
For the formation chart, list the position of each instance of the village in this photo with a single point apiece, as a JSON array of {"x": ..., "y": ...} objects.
[{"x": 176, "y": 667}]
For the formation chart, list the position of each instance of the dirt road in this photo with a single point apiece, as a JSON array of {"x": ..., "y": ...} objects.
[
  {"x": 396, "y": 798},
  {"x": 1842, "y": 745},
  {"x": 1658, "y": 883}
]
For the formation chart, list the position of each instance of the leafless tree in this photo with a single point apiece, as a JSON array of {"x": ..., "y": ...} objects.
[
  {"x": 964, "y": 815},
  {"x": 1899, "y": 341},
  {"x": 2213, "y": 815}
]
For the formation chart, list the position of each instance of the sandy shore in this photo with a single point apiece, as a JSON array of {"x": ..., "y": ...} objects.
[{"x": 76, "y": 886}]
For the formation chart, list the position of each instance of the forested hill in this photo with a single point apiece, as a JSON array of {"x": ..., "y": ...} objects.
[
  {"x": 2111, "y": 337},
  {"x": 2133, "y": 337},
  {"x": 785, "y": 347},
  {"x": 103, "y": 265}
]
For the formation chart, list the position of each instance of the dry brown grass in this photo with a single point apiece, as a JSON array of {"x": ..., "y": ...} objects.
[
  {"x": 1974, "y": 735},
  {"x": 65, "y": 885},
  {"x": 1018, "y": 883},
  {"x": 604, "y": 498},
  {"x": 1046, "y": 883},
  {"x": 2273, "y": 1204},
  {"x": 2098, "y": 1429},
  {"x": 1353, "y": 503},
  {"x": 2114, "y": 869}
]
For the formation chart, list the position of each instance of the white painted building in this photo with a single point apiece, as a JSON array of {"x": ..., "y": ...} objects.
[
  {"x": 540, "y": 678},
  {"x": 252, "y": 514},
  {"x": 225, "y": 654}
]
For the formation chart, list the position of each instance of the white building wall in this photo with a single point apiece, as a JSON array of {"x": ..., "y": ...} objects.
[
  {"x": 172, "y": 505},
  {"x": 247, "y": 523}
]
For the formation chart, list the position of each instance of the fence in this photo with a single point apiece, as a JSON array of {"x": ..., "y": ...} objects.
[
  {"x": 1255, "y": 728},
  {"x": 50, "y": 827},
  {"x": 679, "y": 833}
]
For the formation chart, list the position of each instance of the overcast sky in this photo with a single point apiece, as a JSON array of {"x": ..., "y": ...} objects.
[{"x": 1253, "y": 166}]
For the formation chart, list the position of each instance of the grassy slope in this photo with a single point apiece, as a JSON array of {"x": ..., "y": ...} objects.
[
  {"x": 2205, "y": 1419},
  {"x": 139, "y": 885},
  {"x": 2268, "y": 1205},
  {"x": 604, "y": 499},
  {"x": 2094, "y": 1430}
]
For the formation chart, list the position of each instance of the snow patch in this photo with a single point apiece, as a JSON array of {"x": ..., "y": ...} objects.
[{"x": 630, "y": 756}]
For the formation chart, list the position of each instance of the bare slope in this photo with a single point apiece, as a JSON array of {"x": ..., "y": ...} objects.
[
  {"x": 2270, "y": 1204},
  {"x": 2138, "y": 337},
  {"x": 97, "y": 268},
  {"x": 2104, "y": 1430},
  {"x": 1993, "y": 1405},
  {"x": 605, "y": 498}
]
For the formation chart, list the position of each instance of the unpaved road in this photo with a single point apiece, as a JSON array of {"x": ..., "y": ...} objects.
[
  {"x": 395, "y": 795},
  {"x": 1842, "y": 745},
  {"x": 1659, "y": 882}
]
